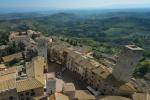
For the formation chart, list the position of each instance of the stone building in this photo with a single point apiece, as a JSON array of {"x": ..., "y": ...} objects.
[
  {"x": 8, "y": 74},
  {"x": 147, "y": 76},
  {"x": 141, "y": 96},
  {"x": 126, "y": 62},
  {"x": 2, "y": 67},
  {"x": 84, "y": 95},
  {"x": 56, "y": 52},
  {"x": 33, "y": 34},
  {"x": 16, "y": 37},
  {"x": 10, "y": 58},
  {"x": 89, "y": 70},
  {"x": 28, "y": 88},
  {"x": 89, "y": 65},
  {"x": 97, "y": 75},
  {"x": 58, "y": 96},
  {"x": 30, "y": 52},
  {"x": 71, "y": 64},
  {"x": 22, "y": 89},
  {"x": 12, "y": 36},
  {"x": 42, "y": 47},
  {"x": 113, "y": 98},
  {"x": 35, "y": 69},
  {"x": 69, "y": 90},
  {"x": 50, "y": 83},
  {"x": 8, "y": 90}
]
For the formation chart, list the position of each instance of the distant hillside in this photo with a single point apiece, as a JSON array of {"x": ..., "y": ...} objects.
[{"x": 117, "y": 28}]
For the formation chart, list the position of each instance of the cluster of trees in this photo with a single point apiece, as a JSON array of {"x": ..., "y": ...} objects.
[
  {"x": 142, "y": 68},
  {"x": 12, "y": 48}
]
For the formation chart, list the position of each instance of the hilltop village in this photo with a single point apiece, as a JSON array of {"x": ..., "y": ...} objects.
[{"x": 47, "y": 68}]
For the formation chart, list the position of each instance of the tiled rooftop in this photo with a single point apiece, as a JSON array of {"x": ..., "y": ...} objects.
[
  {"x": 2, "y": 66},
  {"x": 141, "y": 96},
  {"x": 11, "y": 57},
  {"x": 102, "y": 71},
  {"x": 58, "y": 96},
  {"x": 8, "y": 71},
  {"x": 28, "y": 84},
  {"x": 7, "y": 85},
  {"x": 128, "y": 87},
  {"x": 68, "y": 87},
  {"x": 114, "y": 98},
  {"x": 84, "y": 95},
  {"x": 8, "y": 74}
]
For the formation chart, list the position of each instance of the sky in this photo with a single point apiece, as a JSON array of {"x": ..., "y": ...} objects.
[{"x": 73, "y": 4}]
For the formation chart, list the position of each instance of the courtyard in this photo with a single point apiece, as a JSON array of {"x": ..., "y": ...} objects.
[{"x": 66, "y": 76}]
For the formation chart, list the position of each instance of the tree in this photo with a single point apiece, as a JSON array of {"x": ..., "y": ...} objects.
[{"x": 142, "y": 68}]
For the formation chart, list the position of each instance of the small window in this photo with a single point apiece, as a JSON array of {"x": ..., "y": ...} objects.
[
  {"x": 102, "y": 72},
  {"x": 44, "y": 89},
  {"x": 112, "y": 90},
  {"x": 32, "y": 92},
  {"x": 92, "y": 73},
  {"x": 96, "y": 89},
  {"x": 27, "y": 93},
  {"x": 21, "y": 94},
  {"x": 104, "y": 90},
  {"x": 131, "y": 63},
  {"x": 11, "y": 98},
  {"x": 99, "y": 81},
  {"x": 27, "y": 98}
]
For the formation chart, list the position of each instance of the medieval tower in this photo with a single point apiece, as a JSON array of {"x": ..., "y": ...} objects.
[
  {"x": 42, "y": 44},
  {"x": 126, "y": 62},
  {"x": 35, "y": 68}
]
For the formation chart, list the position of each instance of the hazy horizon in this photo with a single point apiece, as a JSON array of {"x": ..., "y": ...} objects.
[
  {"x": 9, "y": 10},
  {"x": 43, "y": 5}
]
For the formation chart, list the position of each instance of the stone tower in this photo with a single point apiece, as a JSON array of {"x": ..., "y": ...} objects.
[
  {"x": 42, "y": 47},
  {"x": 42, "y": 44},
  {"x": 35, "y": 69},
  {"x": 126, "y": 62}
]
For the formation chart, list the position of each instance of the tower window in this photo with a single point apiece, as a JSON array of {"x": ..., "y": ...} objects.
[
  {"x": 27, "y": 98},
  {"x": 11, "y": 98},
  {"x": 32, "y": 93},
  {"x": 21, "y": 94},
  {"x": 27, "y": 93}
]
